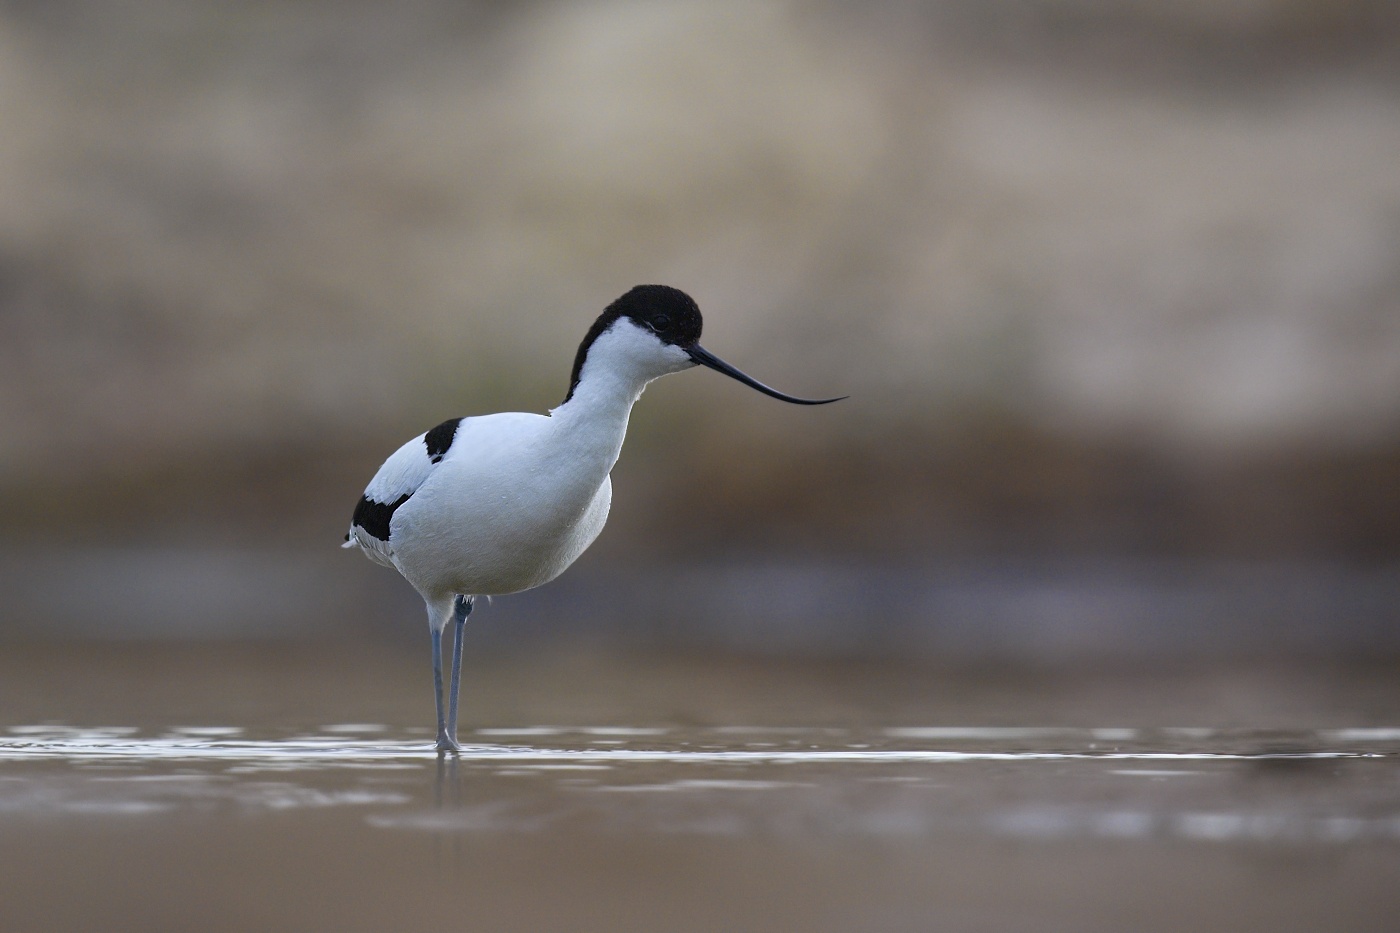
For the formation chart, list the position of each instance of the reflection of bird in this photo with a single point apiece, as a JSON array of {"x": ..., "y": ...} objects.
[{"x": 502, "y": 503}]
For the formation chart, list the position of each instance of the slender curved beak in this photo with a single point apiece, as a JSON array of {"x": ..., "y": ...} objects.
[{"x": 705, "y": 358}]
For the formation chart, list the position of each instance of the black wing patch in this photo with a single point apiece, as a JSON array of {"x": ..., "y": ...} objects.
[
  {"x": 374, "y": 517},
  {"x": 439, "y": 439},
  {"x": 397, "y": 480}
]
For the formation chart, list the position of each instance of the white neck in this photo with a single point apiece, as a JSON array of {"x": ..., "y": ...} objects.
[{"x": 620, "y": 363}]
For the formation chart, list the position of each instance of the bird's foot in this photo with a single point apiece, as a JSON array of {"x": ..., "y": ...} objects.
[{"x": 446, "y": 743}]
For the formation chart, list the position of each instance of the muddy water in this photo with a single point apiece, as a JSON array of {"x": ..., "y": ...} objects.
[{"x": 803, "y": 800}]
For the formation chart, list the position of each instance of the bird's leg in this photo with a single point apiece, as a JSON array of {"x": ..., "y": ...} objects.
[
  {"x": 462, "y": 608},
  {"x": 445, "y": 742}
]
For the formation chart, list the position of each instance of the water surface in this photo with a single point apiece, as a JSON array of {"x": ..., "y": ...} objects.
[{"x": 815, "y": 801}]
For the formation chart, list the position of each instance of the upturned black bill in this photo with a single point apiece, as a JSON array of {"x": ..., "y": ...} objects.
[{"x": 705, "y": 358}]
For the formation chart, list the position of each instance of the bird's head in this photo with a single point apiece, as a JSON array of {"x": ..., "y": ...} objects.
[{"x": 660, "y": 327}]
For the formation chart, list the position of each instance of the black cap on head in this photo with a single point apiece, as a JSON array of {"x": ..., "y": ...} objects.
[{"x": 668, "y": 312}]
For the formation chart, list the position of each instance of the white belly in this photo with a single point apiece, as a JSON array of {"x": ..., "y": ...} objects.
[
  {"x": 513, "y": 502},
  {"x": 481, "y": 529}
]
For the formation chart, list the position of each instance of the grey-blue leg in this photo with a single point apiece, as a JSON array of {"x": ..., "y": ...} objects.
[
  {"x": 445, "y": 742},
  {"x": 462, "y": 608}
]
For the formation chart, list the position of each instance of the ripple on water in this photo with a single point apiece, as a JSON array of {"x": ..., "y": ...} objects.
[
  {"x": 1332, "y": 787},
  {"x": 340, "y": 745}
]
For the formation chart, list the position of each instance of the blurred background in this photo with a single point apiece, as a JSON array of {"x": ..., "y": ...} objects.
[{"x": 1114, "y": 287}]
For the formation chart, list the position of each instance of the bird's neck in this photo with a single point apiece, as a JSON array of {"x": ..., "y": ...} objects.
[{"x": 595, "y": 416}]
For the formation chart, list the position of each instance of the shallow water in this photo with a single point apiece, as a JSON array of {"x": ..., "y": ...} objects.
[
  {"x": 694, "y": 812},
  {"x": 902, "y": 782}
]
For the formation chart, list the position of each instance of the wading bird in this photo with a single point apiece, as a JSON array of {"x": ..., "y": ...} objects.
[{"x": 496, "y": 504}]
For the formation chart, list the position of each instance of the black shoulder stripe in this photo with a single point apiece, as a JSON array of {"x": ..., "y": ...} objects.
[
  {"x": 439, "y": 439},
  {"x": 374, "y": 517}
]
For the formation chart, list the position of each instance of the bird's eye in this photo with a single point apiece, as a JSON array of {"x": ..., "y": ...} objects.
[{"x": 661, "y": 322}]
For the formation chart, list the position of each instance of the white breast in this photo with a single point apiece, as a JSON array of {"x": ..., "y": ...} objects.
[{"x": 509, "y": 507}]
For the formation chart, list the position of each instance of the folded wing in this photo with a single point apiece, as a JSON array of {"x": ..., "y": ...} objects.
[{"x": 406, "y": 470}]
